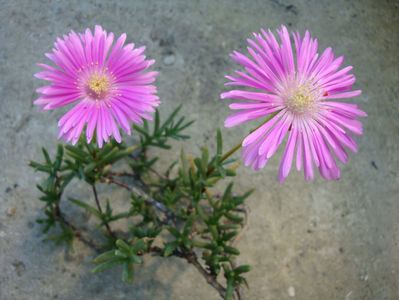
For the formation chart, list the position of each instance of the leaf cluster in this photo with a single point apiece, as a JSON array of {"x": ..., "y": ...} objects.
[
  {"x": 125, "y": 254},
  {"x": 179, "y": 204}
]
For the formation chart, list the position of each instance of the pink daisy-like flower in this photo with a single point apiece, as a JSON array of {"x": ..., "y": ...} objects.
[
  {"x": 107, "y": 83},
  {"x": 297, "y": 90}
]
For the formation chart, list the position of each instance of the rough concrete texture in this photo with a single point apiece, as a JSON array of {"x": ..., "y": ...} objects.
[{"x": 316, "y": 240}]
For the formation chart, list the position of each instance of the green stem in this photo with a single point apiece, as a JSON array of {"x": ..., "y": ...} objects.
[
  {"x": 108, "y": 228},
  {"x": 224, "y": 157},
  {"x": 231, "y": 151},
  {"x": 238, "y": 146},
  {"x": 199, "y": 244}
]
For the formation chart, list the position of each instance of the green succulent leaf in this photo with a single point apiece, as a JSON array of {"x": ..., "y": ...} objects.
[
  {"x": 242, "y": 269},
  {"x": 128, "y": 272},
  {"x": 169, "y": 248},
  {"x": 87, "y": 207},
  {"x": 108, "y": 264},
  {"x": 104, "y": 257}
]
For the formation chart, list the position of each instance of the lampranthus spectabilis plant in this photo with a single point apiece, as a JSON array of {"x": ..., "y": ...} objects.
[
  {"x": 108, "y": 82},
  {"x": 296, "y": 89}
]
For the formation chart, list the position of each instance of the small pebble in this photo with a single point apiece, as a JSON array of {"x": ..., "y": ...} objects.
[
  {"x": 291, "y": 291},
  {"x": 169, "y": 59},
  {"x": 12, "y": 211}
]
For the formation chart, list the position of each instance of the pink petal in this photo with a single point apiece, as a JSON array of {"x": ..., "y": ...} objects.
[{"x": 286, "y": 161}]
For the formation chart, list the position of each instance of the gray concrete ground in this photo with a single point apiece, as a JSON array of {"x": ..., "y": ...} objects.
[{"x": 317, "y": 240}]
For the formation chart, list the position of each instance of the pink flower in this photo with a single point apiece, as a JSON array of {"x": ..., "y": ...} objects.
[
  {"x": 296, "y": 90},
  {"x": 107, "y": 83}
]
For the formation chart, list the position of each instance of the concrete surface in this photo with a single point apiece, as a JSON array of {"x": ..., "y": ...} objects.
[{"x": 317, "y": 240}]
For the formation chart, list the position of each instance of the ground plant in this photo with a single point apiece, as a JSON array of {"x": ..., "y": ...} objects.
[{"x": 188, "y": 209}]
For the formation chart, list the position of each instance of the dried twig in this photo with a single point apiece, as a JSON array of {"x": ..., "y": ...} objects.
[
  {"x": 191, "y": 258},
  {"x": 158, "y": 205},
  {"x": 120, "y": 174},
  {"x": 158, "y": 174}
]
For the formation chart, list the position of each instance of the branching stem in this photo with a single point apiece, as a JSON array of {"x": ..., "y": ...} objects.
[
  {"x": 76, "y": 231},
  {"x": 191, "y": 258},
  {"x": 224, "y": 157},
  {"x": 158, "y": 205},
  {"x": 108, "y": 228}
]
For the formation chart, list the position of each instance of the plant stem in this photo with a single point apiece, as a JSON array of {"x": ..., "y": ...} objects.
[
  {"x": 191, "y": 258},
  {"x": 189, "y": 255},
  {"x": 61, "y": 218},
  {"x": 77, "y": 232},
  {"x": 110, "y": 232},
  {"x": 160, "y": 206},
  {"x": 120, "y": 174},
  {"x": 230, "y": 152},
  {"x": 224, "y": 157},
  {"x": 238, "y": 146}
]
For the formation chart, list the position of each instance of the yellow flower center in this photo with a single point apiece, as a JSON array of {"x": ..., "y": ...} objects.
[
  {"x": 99, "y": 84},
  {"x": 302, "y": 98},
  {"x": 301, "y": 102}
]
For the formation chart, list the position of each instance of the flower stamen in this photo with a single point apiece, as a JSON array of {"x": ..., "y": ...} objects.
[
  {"x": 301, "y": 99},
  {"x": 301, "y": 102},
  {"x": 99, "y": 84}
]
